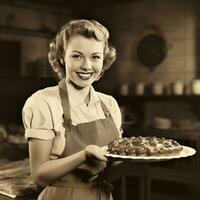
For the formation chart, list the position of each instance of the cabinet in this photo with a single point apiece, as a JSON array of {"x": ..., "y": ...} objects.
[
  {"x": 175, "y": 107},
  {"x": 173, "y": 179},
  {"x": 27, "y": 32}
]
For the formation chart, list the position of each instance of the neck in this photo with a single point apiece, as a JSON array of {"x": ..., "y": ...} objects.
[{"x": 84, "y": 92}]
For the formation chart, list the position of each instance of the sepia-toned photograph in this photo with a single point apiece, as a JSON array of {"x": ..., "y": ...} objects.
[{"x": 99, "y": 100}]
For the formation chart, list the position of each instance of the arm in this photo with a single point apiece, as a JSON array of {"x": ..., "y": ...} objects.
[
  {"x": 45, "y": 171},
  {"x": 37, "y": 119}
]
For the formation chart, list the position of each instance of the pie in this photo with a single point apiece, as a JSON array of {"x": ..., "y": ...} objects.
[{"x": 144, "y": 146}]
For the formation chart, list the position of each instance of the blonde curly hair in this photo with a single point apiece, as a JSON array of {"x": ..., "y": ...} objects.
[{"x": 86, "y": 28}]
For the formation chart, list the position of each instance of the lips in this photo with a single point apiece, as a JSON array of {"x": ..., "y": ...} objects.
[{"x": 85, "y": 75}]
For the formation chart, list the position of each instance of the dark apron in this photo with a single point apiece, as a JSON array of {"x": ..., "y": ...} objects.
[{"x": 99, "y": 132}]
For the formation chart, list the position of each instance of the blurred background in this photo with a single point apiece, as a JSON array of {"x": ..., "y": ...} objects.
[{"x": 155, "y": 79}]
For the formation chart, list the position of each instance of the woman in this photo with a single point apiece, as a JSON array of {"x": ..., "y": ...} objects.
[{"x": 66, "y": 125}]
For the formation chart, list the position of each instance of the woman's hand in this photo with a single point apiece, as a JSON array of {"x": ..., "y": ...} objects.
[
  {"x": 93, "y": 168},
  {"x": 95, "y": 161},
  {"x": 93, "y": 152}
]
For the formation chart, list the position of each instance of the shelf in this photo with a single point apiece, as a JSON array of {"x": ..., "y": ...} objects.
[
  {"x": 158, "y": 196},
  {"x": 28, "y": 32},
  {"x": 173, "y": 132},
  {"x": 158, "y": 97}
]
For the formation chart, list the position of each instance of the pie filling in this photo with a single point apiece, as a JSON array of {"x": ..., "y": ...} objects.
[{"x": 144, "y": 146}]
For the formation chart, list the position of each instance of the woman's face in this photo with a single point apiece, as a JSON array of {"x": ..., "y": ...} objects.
[{"x": 83, "y": 60}]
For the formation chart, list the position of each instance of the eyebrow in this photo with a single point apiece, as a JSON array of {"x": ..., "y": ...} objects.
[{"x": 75, "y": 51}]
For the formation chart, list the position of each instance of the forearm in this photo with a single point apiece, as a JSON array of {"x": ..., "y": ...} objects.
[
  {"x": 45, "y": 171},
  {"x": 53, "y": 170}
]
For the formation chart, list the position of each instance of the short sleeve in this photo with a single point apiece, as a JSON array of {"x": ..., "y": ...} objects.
[
  {"x": 116, "y": 115},
  {"x": 37, "y": 119}
]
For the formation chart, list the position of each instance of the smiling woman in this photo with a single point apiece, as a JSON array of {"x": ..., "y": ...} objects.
[
  {"x": 66, "y": 125},
  {"x": 83, "y": 65}
]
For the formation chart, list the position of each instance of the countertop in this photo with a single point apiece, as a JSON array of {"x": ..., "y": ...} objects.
[
  {"x": 26, "y": 197},
  {"x": 15, "y": 178}
]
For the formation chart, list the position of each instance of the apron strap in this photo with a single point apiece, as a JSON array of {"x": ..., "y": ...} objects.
[
  {"x": 105, "y": 109},
  {"x": 65, "y": 104},
  {"x": 107, "y": 113},
  {"x": 66, "y": 108}
]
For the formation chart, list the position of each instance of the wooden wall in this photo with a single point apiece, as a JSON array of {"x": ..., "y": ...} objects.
[{"x": 177, "y": 20}]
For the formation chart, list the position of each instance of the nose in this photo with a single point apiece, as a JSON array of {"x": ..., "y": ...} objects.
[{"x": 87, "y": 64}]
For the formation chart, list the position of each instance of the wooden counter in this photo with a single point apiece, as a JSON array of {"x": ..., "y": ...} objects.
[
  {"x": 156, "y": 174},
  {"x": 27, "y": 197},
  {"x": 178, "y": 171}
]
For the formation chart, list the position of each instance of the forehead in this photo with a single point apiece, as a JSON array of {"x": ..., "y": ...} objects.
[{"x": 83, "y": 44}]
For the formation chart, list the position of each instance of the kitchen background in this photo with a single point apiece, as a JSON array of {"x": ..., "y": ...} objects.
[{"x": 158, "y": 91}]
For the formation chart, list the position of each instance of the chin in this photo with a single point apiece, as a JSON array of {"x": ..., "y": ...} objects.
[{"x": 81, "y": 85}]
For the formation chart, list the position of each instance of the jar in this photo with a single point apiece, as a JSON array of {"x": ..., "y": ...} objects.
[
  {"x": 157, "y": 88},
  {"x": 124, "y": 89},
  {"x": 178, "y": 87},
  {"x": 196, "y": 86},
  {"x": 140, "y": 88}
]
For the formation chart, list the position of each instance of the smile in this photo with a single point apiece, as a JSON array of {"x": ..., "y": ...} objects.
[{"x": 84, "y": 76}]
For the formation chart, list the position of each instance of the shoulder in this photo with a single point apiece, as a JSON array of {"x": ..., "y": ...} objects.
[
  {"x": 43, "y": 96},
  {"x": 107, "y": 99},
  {"x": 46, "y": 93}
]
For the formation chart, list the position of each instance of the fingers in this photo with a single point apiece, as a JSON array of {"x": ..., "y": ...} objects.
[
  {"x": 96, "y": 152},
  {"x": 94, "y": 169},
  {"x": 101, "y": 157},
  {"x": 104, "y": 150},
  {"x": 99, "y": 163}
]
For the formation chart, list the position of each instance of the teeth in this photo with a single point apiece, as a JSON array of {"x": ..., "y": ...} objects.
[{"x": 84, "y": 75}]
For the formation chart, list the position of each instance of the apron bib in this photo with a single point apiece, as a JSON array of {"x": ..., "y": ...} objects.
[{"x": 99, "y": 132}]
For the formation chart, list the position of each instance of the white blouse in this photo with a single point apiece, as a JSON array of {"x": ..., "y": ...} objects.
[{"x": 42, "y": 113}]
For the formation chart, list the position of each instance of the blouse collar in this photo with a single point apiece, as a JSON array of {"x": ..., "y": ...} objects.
[{"x": 75, "y": 97}]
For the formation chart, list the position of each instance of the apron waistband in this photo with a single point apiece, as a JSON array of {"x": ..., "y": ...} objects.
[{"x": 63, "y": 183}]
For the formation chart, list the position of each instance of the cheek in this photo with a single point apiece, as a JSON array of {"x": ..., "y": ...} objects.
[
  {"x": 98, "y": 66},
  {"x": 72, "y": 66}
]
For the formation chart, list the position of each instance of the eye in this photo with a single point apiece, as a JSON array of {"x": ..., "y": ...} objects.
[
  {"x": 77, "y": 56},
  {"x": 96, "y": 57}
]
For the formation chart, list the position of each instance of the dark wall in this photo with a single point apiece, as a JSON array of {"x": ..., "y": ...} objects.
[{"x": 13, "y": 93}]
